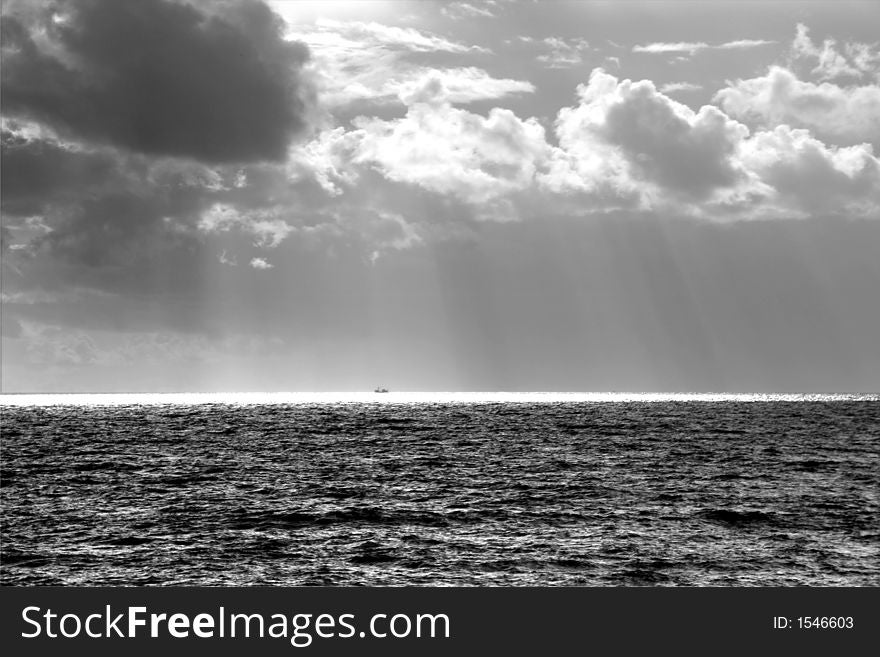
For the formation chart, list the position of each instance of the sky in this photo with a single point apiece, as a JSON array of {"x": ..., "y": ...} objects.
[{"x": 320, "y": 196}]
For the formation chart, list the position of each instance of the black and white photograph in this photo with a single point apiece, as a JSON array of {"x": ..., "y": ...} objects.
[{"x": 410, "y": 293}]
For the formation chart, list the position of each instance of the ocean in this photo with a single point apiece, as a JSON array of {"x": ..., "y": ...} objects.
[{"x": 440, "y": 489}]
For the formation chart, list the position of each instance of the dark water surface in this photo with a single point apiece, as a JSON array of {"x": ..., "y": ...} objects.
[{"x": 457, "y": 493}]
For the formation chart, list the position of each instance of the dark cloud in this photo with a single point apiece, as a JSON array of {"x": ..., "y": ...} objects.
[
  {"x": 124, "y": 230},
  {"x": 37, "y": 172},
  {"x": 94, "y": 210},
  {"x": 160, "y": 77}
]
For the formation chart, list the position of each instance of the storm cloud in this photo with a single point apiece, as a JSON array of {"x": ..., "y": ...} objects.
[
  {"x": 37, "y": 173},
  {"x": 216, "y": 83}
]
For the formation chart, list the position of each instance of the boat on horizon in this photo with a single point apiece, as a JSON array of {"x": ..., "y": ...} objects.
[{"x": 380, "y": 389}]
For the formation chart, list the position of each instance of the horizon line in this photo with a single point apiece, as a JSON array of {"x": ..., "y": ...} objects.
[{"x": 23, "y": 399}]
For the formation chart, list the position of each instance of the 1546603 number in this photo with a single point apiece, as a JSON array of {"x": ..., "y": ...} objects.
[{"x": 825, "y": 622}]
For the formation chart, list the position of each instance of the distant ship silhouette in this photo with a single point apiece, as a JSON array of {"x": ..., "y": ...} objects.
[{"x": 380, "y": 389}]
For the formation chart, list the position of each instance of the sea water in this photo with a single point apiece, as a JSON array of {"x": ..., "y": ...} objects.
[{"x": 440, "y": 489}]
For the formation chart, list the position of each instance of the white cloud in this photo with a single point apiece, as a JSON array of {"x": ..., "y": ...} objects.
[
  {"x": 865, "y": 58},
  {"x": 661, "y": 142},
  {"x": 846, "y": 115},
  {"x": 628, "y": 139},
  {"x": 813, "y": 177},
  {"x": 464, "y": 10},
  {"x": 392, "y": 231},
  {"x": 691, "y": 47},
  {"x": 625, "y": 145},
  {"x": 613, "y": 60},
  {"x": 261, "y": 263},
  {"x": 461, "y": 85},
  {"x": 855, "y": 61},
  {"x": 563, "y": 53},
  {"x": 672, "y": 87},
  {"x": 384, "y": 81},
  {"x": 355, "y": 33},
  {"x": 370, "y": 62},
  {"x": 266, "y": 226},
  {"x": 452, "y": 151},
  {"x": 384, "y": 230},
  {"x": 677, "y": 47},
  {"x": 741, "y": 44},
  {"x": 326, "y": 158}
]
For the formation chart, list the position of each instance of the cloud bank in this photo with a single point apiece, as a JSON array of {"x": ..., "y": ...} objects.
[
  {"x": 847, "y": 115},
  {"x": 216, "y": 83},
  {"x": 623, "y": 145}
]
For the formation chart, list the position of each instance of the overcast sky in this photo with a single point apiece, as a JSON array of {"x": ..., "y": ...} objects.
[{"x": 638, "y": 196}]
